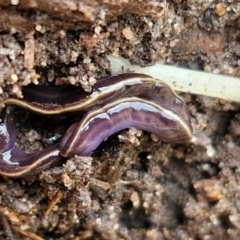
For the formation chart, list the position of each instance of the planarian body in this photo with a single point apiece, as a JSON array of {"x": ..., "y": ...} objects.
[{"x": 115, "y": 103}]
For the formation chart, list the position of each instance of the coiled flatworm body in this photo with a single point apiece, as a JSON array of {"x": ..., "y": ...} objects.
[{"x": 115, "y": 103}]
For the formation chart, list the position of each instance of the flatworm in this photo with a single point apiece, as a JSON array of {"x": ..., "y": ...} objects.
[
  {"x": 116, "y": 103},
  {"x": 86, "y": 135},
  {"x": 62, "y": 99}
]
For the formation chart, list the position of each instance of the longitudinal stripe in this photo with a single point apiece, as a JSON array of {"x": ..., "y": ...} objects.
[
  {"x": 83, "y": 137},
  {"x": 20, "y": 164},
  {"x": 54, "y": 100},
  {"x": 116, "y": 102}
]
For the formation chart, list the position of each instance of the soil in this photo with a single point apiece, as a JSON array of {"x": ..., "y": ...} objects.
[{"x": 150, "y": 190}]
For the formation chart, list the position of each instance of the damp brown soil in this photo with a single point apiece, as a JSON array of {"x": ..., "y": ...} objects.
[{"x": 142, "y": 190}]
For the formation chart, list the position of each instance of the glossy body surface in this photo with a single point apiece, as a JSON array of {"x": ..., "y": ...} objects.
[
  {"x": 62, "y": 99},
  {"x": 115, "y": 103},
  {"x": 121, "y": 114}
]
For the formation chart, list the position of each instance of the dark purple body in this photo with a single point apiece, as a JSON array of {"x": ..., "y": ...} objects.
[
  {"x": 85, "y": 136},
  {"x": 113, "y": 107}
]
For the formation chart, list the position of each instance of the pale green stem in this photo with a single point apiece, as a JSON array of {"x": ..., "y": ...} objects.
[{"x": 185, "y": 80}]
